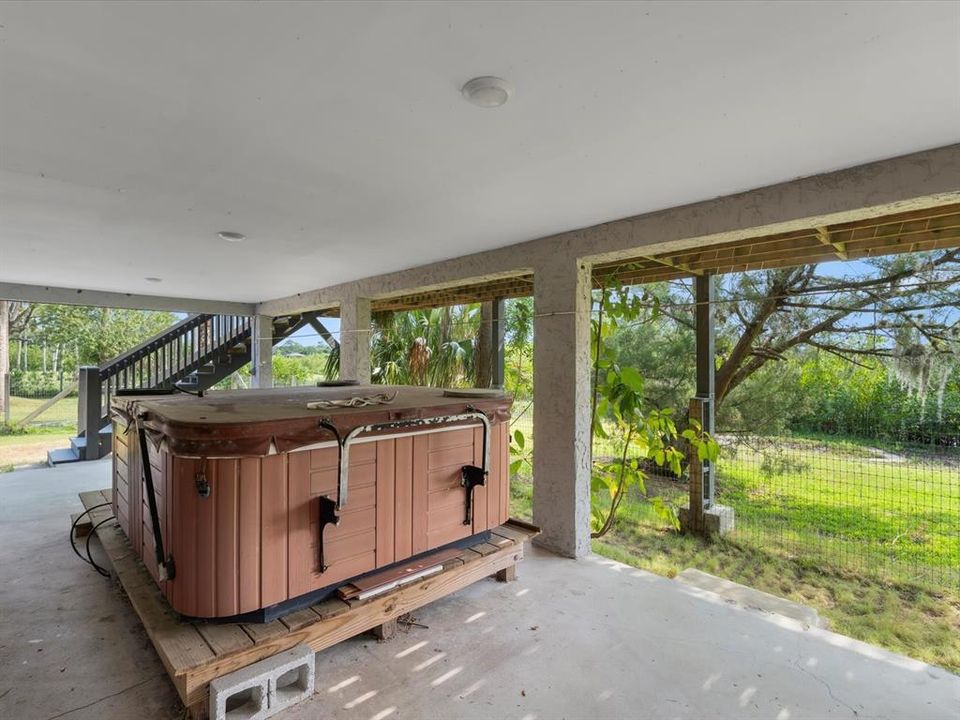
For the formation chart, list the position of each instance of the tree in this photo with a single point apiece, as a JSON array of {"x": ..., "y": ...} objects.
[
  {"x": 899, "y": 310},
  {"x": 14, "y": 317}
]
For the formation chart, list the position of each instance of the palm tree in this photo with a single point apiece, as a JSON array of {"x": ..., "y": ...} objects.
[{"x": 435, "y": 347}]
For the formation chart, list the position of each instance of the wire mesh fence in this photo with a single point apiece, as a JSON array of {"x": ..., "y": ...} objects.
[
  {"x": 884, "y": 505},
  {"x": 521, "y": 457}
]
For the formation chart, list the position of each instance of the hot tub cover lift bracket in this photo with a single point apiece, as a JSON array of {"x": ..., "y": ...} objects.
[{"x": 470, "y": 475}]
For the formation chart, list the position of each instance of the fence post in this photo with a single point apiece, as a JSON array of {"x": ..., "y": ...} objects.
[
  {"x": 90, "y": 412},
  {"x": 5, "y": 396}
]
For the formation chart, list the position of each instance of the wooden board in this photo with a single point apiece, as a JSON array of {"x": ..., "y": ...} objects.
[
  {"x": 194, "y": 653},
  {"x": 373, "y": 580}
]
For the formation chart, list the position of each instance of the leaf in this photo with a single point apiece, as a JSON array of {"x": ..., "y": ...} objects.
[
  {"x": 515, "y": 466},
  {"x": 632, "y": 379},
  {"x": 519, "y": 439}
]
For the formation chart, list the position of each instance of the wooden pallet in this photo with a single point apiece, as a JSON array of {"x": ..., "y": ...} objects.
[{"x": 194, "y": 653}]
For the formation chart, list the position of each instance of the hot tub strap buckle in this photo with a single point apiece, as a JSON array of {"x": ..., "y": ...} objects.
[
  {"x": 470, "y": 477},
  {"x": 327, "y": 514}
]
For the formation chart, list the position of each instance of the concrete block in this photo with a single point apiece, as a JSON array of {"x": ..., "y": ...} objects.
[
  {"x": 717, "y": 520},
  {"x": 264, "y": 688},
  {"x": 292, "y": 679},
  {"x": 241, "y": 695}
]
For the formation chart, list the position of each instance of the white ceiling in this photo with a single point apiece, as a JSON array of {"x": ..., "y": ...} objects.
[{"x": 335, "y": 137}]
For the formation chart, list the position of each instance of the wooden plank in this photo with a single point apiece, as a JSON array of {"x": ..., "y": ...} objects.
[
  {"x": 260, "y": 632},
  {"x": 359, "y": 619},
  {"x": 383, "y": 577},
  {"x": 421, "y": 449},
  {"x": 303, "y": 557},
  {"x": 273, "y": 529},
  {"x": 298, "y": 619},
  {"x": 386, "y": 502},
  {"x": 226, "y": 497},
  {"x": 194, "y": 654},
  {"x": 403, "y": 498},
  {"x": 249, "y": 540},
  {"x": 485, "y": 548},
  {"x": 518, "y": 535},
  {"x": 331, "y": 607},
  {"x": 82, "y": 528},
  {"x": 224, "y": 638}
]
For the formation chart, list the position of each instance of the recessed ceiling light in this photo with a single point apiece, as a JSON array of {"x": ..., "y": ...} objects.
[
  {"x": 231, "y": 236},
  {"x": 153, "y": 279},
  {"x": 487, "y": 91}
]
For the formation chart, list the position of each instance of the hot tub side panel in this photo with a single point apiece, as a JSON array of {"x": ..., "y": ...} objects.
[
  {"x": 130, "y": 500},
  {"x": 253, "y": 542}
]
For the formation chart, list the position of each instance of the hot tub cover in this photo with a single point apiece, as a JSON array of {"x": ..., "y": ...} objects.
[{"x": 257, "y": 422}]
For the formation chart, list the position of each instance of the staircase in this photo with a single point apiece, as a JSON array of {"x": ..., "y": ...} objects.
[{"x": 194, "y": 355}]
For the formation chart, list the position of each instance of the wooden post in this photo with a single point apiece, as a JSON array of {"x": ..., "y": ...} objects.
[
  {"x": 385, "y": 631},
  {"x": 90, "y": 411},
  {"x": 5, "y": 396},
  {"x": 499, "y": 328},
  {"x": 702, "y": 407},
  {"x": 508, "y": 574}
]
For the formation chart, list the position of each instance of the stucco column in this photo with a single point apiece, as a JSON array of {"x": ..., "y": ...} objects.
[
  {"x": 355, "y": 339},
  {"x": 561, "y": 416},
  {"x": 262, "y": 355}
]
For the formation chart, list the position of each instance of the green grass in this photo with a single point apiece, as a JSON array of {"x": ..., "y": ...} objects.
[
  {"x": 62, "y": 412},
  {"x": 892, "y": 514},
  {"x": 31, "y": 447}
]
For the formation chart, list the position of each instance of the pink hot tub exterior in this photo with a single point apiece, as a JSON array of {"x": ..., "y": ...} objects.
[{"x": 252, "y": 542}]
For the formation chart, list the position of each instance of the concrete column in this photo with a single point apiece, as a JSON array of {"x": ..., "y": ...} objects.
[
  {"x": 262, "y": 360},
  {"x": 355, "y": 339},
  {"x": 561, "y": 419}
]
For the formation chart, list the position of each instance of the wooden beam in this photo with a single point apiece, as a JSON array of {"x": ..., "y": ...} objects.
[
  {"x": 671, "y": 264},
  {"x": 840, "y": 250}
]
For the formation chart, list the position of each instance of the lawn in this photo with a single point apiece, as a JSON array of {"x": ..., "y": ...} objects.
[
  {"x": 893, "y": 512},
  {"x": 869, "y": 536},
  {"x": 17, "y": 450},
  {"x": 62, "y": 412}
]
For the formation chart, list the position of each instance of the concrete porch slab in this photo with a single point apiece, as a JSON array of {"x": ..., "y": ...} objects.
[
  {"x": 570, "y": 639},
  {"x": 749, "y": 597}
]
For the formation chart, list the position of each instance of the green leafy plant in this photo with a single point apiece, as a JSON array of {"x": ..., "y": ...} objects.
[
  {"x": 620, "y": 416},
  {"x": 522, "y": 456}
]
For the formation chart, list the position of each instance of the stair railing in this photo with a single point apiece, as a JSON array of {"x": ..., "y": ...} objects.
[{"x": 160, "y": 362}]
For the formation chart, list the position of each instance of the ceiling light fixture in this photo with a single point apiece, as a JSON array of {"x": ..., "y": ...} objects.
[
  {"x": 231, "y": 236},
  {"x": 487, "y": 91}
]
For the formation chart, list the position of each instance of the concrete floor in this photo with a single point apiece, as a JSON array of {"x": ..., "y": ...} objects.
[{"x": 588, "y": 639}]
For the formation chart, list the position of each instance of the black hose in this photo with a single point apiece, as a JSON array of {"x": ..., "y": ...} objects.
[
  {"x": 73, "y": 528},
  {"x": 96, "y": 567}
]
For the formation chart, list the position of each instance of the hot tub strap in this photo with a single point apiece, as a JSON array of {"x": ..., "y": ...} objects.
[{"x": 166, "y": 570}]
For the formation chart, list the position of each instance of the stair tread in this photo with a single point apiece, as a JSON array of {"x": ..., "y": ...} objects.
[{"x": 61, "y": 456}]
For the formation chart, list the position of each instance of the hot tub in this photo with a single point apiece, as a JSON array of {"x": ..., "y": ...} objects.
[{"x": 256, "y": 502}]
